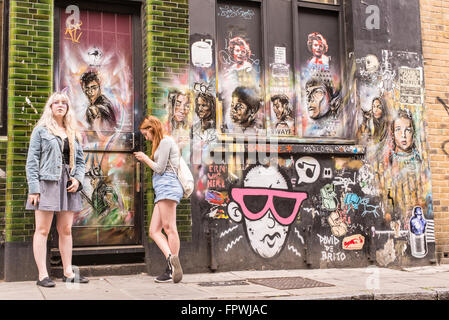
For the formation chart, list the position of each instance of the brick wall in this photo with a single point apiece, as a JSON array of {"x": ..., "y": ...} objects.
[
  {"x": 435, "y": 33},
  {"x": 3, "y": 148},
  {"x": 167, "y": 58},
  {"x": 30, "y": 76}
]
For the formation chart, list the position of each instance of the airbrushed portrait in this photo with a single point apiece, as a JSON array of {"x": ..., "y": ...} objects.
[
  {"x": 284, "y": 114},
  {"x": 245, "y": 105},
  {"x": 205, "y": 109},
  {"x": 318, "y": 47},
  {"x": 100, "y": 114},
  {"x": 404, "y": 150}
]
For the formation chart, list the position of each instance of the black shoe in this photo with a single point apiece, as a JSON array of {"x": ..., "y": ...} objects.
[
  {"x": 77, "y": 279},
  {"x": 46, "y": 282},
  {"x": 165, "y": 277},
  {"x": 175, "y": 266}
]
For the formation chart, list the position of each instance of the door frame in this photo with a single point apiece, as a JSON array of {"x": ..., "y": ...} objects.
[{"x": 135, "y": 9}]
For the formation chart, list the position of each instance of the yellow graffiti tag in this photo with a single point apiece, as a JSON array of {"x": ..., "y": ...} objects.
[{"x": 73, "y": 33}]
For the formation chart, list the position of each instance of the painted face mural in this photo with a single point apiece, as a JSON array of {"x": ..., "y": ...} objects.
[
  {"x": 240, "y": 52},
  {"x": 244, "y": 107},
  {"x": 239, "y": 74},
  {"x": 178, "y": 119},
  {"x": 100, "y": 114},
  {"x": 317, "y": 45},
  {"x": 347, "y": 191},
  {"x": 317, "y": 99},
  {"x": 403, "y": 134},
  {"x": 267, "y": 208},
  {"x": 283, "y": 111},
  {"x": 321, "y": 102}
]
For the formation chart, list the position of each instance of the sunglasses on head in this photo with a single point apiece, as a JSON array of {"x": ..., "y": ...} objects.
[{"x": 255, "y": 203}]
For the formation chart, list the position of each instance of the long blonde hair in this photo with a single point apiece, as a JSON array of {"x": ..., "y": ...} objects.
[{"x": 69, "y": 121}]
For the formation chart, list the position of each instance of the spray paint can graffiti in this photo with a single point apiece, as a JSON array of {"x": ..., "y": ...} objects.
[{"x": 418, "y": 242}]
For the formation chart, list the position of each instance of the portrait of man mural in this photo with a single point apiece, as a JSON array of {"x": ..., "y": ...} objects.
[
  {"x": 245, "y": 105},
  {"x": 256, "y": 205},
  {"x": 283, "y": 111},
  {"x": 100, "y": 114},
  {"x": 322, "y": 105}
]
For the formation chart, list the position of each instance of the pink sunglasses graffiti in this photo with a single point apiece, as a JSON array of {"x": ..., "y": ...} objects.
[{"x": 255, "y": 203}]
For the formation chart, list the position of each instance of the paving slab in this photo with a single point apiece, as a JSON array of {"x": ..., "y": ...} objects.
[
  {"x": 20, "y": 291},
  {"x": 420, "y": 283},
  {"x": 96, "y": 289}
]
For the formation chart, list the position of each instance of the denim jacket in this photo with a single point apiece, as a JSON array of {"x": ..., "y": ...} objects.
[{"x": 44, "y": 160}]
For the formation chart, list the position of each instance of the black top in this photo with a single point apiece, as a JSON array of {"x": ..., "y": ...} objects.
[{"x": 66, "y": 151}]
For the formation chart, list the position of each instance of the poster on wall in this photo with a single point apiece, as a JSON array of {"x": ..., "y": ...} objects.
[
  {"x": 240, "y": 75},
  {"x": 95, "y": 70}
]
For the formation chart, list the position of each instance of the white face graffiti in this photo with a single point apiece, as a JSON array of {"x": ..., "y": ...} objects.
[{"x": 266, "y": 235}]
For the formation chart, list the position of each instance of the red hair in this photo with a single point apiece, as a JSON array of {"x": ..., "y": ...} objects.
[{"x": 155, "y": 126}]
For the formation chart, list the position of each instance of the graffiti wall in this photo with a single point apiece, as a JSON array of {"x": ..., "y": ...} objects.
[{"x": 276, "y": 203}]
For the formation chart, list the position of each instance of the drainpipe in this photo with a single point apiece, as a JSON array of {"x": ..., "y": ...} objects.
[
  {"x": 211, "y": 235},
  {"x": 308, "y": 245}
]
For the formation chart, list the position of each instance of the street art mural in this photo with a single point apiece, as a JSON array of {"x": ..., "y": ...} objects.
[
  {"x": 95, "y": 69},
  {"x": 326, "y": 206},
  {"x": 240, "y": 78},
  {"x": 365, "y": 200}
]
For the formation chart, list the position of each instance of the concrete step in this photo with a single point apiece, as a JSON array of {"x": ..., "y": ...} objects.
[{"x": 104, "y": 270}]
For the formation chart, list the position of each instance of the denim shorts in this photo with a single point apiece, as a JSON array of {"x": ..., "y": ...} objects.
[{"x": 167, "y": 186}]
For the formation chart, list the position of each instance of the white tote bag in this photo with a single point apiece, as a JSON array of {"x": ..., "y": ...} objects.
[{"x": 184, "y": 176}]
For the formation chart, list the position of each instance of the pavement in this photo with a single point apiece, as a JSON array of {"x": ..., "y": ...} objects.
[{"x": 371, "y": 283}]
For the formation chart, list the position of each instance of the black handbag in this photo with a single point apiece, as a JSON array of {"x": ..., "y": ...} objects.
[{"x": 80, "y": 186}]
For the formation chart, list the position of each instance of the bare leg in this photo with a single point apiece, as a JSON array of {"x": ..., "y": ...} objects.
[
  {"x": 167, "y": 209},
  {"x": 43, "y": 221},
  {"x": 64, "y": 227},
  {"x": 156, "y": 231}
]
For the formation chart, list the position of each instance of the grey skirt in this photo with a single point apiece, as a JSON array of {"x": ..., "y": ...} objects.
[{"x": 54, "y": 196}]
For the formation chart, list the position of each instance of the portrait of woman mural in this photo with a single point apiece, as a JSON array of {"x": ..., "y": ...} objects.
[
  {"x": 375, "y": 122},
  {"x": 403, "y": 143},
  {"x": 55, "y": 170},
  {"x": 164, "y": 162}
]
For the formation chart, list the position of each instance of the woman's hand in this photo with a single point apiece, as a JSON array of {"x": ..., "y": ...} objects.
[
  {"x": 73, "y": 186},
  {"x": 141, "y": 156},
  {"x": 34, "y": 199}
]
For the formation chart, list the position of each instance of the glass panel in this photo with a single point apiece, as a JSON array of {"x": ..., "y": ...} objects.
[
  {"x": 108, "y": 199},
  {"x": 240, "y": 78},
  {"x": 95, "y": 67},
  {"x": 320, "y": 101}
]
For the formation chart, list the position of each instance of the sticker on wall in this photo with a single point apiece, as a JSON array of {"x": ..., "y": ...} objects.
[
  {"x": 308, "y": 170},
  {"x": 418, "y": 242},
  {"x": 354, "y": 242},
  {"x": 202, "y": 53}
]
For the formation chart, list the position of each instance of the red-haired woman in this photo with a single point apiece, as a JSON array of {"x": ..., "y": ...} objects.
[{"x": 164, "y": 160}]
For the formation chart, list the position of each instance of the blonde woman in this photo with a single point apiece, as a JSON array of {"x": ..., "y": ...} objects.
[
  {"x": 55, "y": 169},
  {"x": 168, "y": 190}
]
